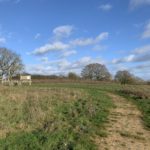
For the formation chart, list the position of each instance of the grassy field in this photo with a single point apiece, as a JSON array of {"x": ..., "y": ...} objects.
[
  {"x": 138, "y": 94},
  {"x": 61, "y": 116},
  {"x": 51, "y": 117}
]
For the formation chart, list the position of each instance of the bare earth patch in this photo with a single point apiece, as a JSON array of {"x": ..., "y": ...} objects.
[{"x": 125, "y": 128}]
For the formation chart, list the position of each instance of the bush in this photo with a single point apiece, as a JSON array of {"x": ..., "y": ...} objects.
[{"x": 134, "y": 94}]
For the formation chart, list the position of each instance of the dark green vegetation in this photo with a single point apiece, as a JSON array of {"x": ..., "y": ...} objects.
[{"x": 55, "y": 118}]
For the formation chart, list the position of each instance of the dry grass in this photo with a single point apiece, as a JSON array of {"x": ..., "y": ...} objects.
[
  {"x": 125, "y": 131},
  {"x": 25, "y": 108},
  {"x": 44, "y": 117},
  {"x": 61, "y": 115}
]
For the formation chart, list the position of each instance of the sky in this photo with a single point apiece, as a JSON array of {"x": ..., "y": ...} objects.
[{"x": 61, "y": 36}]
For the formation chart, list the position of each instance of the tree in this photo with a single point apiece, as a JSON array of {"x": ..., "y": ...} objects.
[
  {"x": 148, "y": 82},
  {"x": 73, "y": 76},
  {"x": 10, "y": 63},
  {"x": 95, "y": 71},
  {"x": 124, "y": 77}
]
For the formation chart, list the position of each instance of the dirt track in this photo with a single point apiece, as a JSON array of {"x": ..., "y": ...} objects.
[{"x": 125, "y": 128}]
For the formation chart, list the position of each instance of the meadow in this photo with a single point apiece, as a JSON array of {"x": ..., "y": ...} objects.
[{"x": 62, "y": 116}]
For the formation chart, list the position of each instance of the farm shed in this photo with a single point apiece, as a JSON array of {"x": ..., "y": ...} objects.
[{"x": 25, "y": 78}]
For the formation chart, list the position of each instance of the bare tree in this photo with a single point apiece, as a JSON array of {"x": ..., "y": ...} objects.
[
  {"x": 124, "y": 77},
  {"x": 10, "y": 63},
  {"x": 96, "y": 71}
]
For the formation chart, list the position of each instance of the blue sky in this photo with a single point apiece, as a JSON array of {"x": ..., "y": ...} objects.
[{"x": 59, "y": 36}]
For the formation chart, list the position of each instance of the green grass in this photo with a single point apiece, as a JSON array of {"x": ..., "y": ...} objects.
[
  {"x": 54, "y": 118},
  {"x": 143, "y": 90},
  {"x": 59, "y": 116}
]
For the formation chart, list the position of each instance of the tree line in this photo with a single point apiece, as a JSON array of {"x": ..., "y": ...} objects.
[
  {"x": 99, "y": 72},
  {"x": 11, "y": 65}
]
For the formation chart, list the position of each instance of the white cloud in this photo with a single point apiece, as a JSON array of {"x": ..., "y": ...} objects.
[
  {"x": 82, "y": 62},
  {"x": 60, "y": 46},
  {"x": 83, "y": 42},
  {"x": 56, "y": 46},
  {"x": 142, "y": 50},
  {"x": 133, "y": 58},
  {"x": 79, "y": 64},
  {"x": 138, "y": 3},
  {"x": 44, "y": 59},
  {"x": 102, "y": 36},
  {"x": 2, "y": 40},
  {"x": 141, "y": 54},
  {"x": 68, "y": 53},
  {"x": 37, "y": 36},
  {"x": 143, "y": 66},
  {"x": 105, "y": 7},
  {"x": 126, "y": 59},
  {"x": 142, "y": 70},
  {"x": 63, "y": 31},
  {"x": 62, "y": 66},
  {"x": 146, "y": 33},
  {"x": 40, "y": 69},
  {"x": 89, "y": 41},
  {"x": 99, "y": 47}
]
